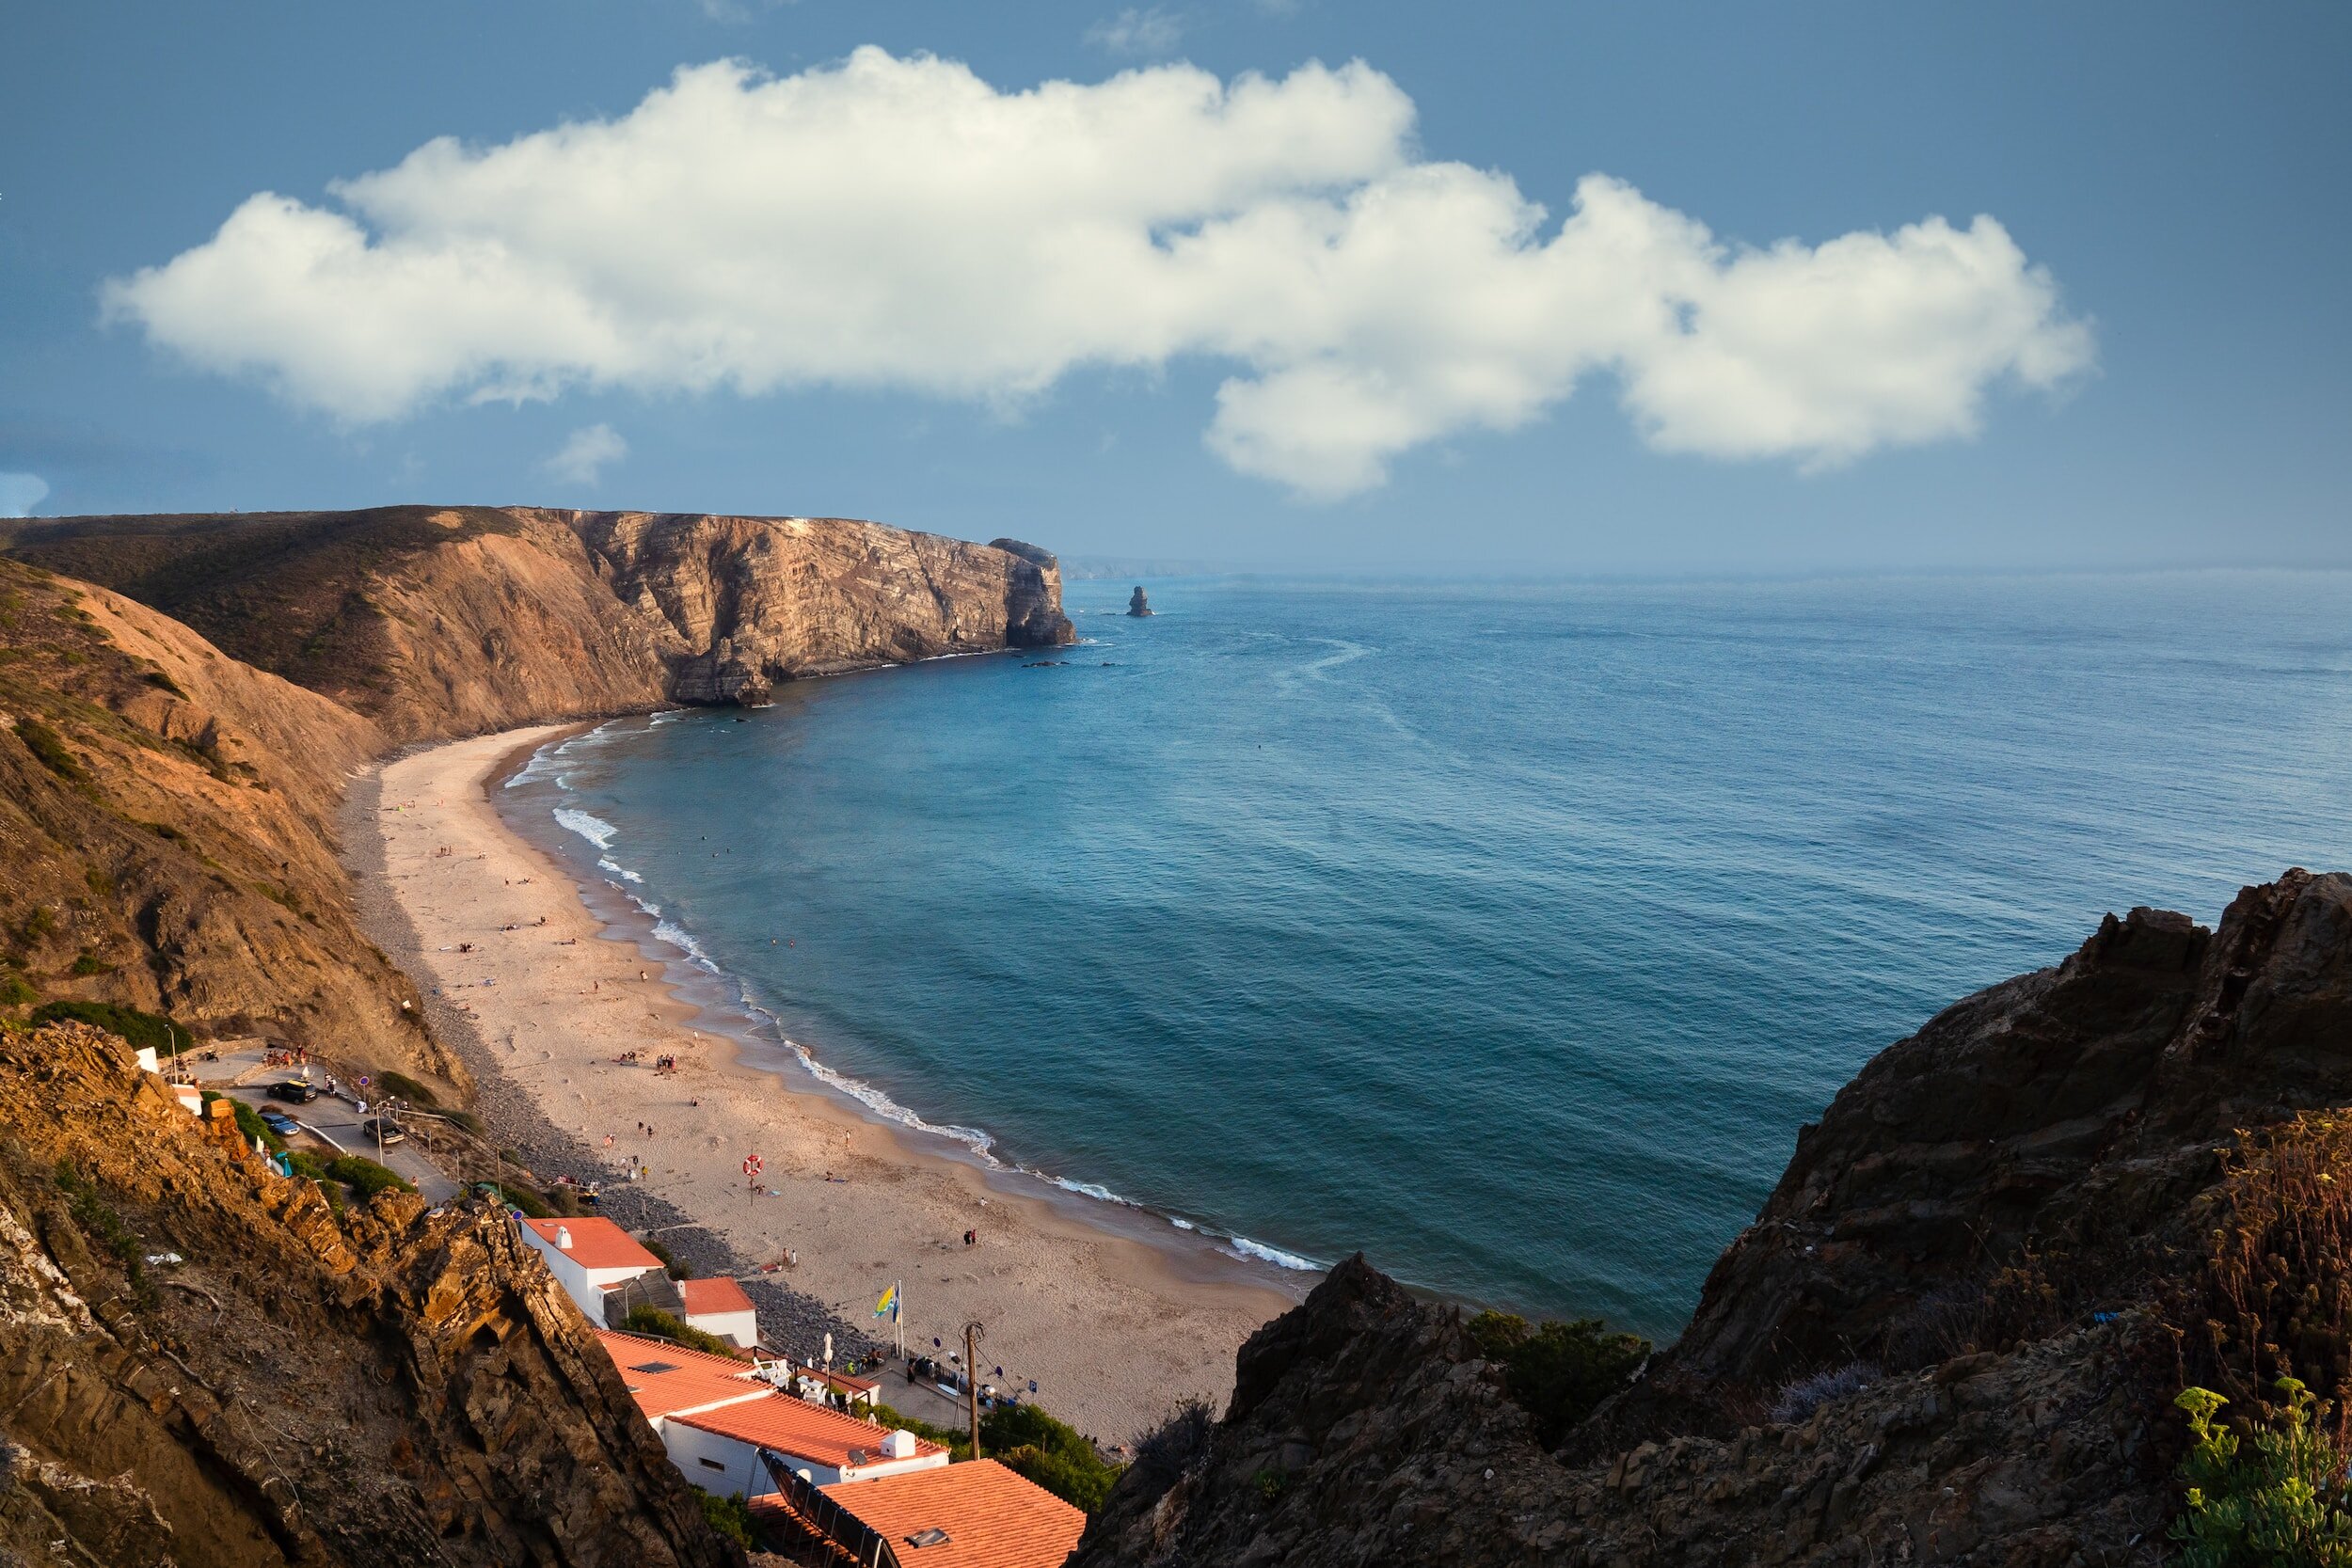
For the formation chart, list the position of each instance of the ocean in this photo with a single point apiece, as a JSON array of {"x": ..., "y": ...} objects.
[{"x": 1507, "y": 933}]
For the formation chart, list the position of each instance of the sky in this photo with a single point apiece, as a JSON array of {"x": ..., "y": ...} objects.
[{"x": 1563, "y": 290}]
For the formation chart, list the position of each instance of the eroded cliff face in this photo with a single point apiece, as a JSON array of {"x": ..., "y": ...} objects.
[
  {"x": 306, "y": 1387},
  {"x": 2013, "y": 1237},
  {"x": 750, "y": 601},
  {"x": 442, "y": 621},
  {"x": 165, "y": 833}
]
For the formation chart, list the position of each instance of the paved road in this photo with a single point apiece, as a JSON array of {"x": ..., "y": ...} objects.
[{"x": 337, "y": 1127}]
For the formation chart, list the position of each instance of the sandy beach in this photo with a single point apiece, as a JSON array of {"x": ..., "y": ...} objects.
[{"x": 1114, "y": 1329}]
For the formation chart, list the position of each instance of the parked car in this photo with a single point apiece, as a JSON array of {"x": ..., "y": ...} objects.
[
  {"x": 294, "y": 1090},
  {"x": 280, "y": 1123},
  {"x": 382, "y": 1129}
]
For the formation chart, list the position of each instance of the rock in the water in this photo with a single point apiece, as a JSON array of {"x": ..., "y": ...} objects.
[{"x": 1138, "y": 605}]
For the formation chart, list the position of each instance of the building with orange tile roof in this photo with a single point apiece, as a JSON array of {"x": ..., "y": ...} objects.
[
  {"x": 975, "y": 1515},
  {"x": 667, "y": 1379},
  {"x": 821, "y": 1444},
  {"x": 715, "y": 1415},
  {"x": 719, "y": 1306},
  {"x": 588, "y": 1256}
]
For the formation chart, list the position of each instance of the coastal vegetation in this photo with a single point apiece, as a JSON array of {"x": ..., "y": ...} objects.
[
  {"x": 362, "y": 1175},
  {"x": 143, "y": 1030},
  {"x": 2279, "y": 1495},
  {"x": 249, "y": 1122},
  {"x": 730, "y": 1516},
  {"x": 1557, "y": 1372},
  {"x": 663, "y": 1325},
  {"x": 99, "y": 1221},
  {"x": 1025, "y": 1438},
  {"x": 1050, "y": 1452}
]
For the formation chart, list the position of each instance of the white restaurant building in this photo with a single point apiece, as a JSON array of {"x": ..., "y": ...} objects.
[
  {"x": 588, "y": 1256},
  {"x": 713, "y": 1415}
]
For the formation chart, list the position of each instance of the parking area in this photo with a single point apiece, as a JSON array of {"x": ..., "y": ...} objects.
[{"x": 329, "y": 1127}]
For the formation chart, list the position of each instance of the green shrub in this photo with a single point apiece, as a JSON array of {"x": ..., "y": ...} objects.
[
  {"x": 16, "y": 990},
  {"x": 661, "y": 1325},
  {"x": 524, "y": 1198},
  {"x": 730, "y": 1516},
  {"x": 98, "y": 882},
  {"x": 34, "y": 928},
  {"x": 140, "y": 1029},
  {"x": 1050, "y": 1452},
  {"x": 98, "y": 1221},
  {"x": 88, "y": 963},
  {"x": 165, "y": 683},
  {"x": 365, "y": 1176},
  {"x": 1559, "y": 1371},
  {"x": 408, "y": 1090},
  {"x": 2277, "y": 1497},
  {"x": 49, "y": 749},
  {"x": 670, "y": 1265},
  {"x": 249, "y": 1122},
  {"x": 301, "y": 1163}
]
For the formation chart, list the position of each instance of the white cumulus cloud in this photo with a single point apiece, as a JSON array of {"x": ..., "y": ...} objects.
[
  {"x": 900, "y": 223},
  {"x": 1143, "y": 32},
  {"x": 21, "y": 493},
  {"x": 584, "y": 457}
]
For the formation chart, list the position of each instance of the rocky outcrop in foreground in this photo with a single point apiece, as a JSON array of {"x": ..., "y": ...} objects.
[
  {"x": 206, "y": 1365},
  {"x": 1952, "y": 1335},
  {"x": 435, "y": 622}
]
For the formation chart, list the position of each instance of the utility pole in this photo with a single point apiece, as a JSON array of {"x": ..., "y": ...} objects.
[{"x": 972, "y": 1381}]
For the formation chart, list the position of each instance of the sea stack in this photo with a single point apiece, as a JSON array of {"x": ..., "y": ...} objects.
[{"x": 1138, "y": 605}]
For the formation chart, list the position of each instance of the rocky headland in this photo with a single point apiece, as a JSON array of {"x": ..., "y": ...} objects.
[{"x": 437, "y": 622}]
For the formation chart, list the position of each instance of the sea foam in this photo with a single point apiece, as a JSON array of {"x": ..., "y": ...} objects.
[
  {"x": 1276, "y": 1256},
  {"x": 596, "y": 829}
]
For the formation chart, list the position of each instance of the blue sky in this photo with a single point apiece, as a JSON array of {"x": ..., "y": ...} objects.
[{"x": 1254, "y": 325}]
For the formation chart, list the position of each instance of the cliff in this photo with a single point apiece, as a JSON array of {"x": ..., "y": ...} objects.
[
  {"x": 165, "y": 833},
  {"x": 435, "y": 622},
  {"x": 1951, "y": 1335},
  {"x": 300, "y": 1386}
]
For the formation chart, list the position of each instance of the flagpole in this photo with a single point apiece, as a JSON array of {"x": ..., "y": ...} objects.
[{"x": 898, "y": 1317}]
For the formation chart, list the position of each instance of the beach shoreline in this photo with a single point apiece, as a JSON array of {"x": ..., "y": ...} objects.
[{"x": 1116, "y": 1326}]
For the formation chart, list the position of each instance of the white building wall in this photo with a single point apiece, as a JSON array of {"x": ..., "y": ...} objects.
[
  {"x": 722, "y": 1465},
  {"x": 583, "y": 1285},
  {"x": 739, "y": 1329}
]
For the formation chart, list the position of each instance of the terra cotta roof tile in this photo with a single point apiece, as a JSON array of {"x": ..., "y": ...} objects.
[
  {"x": 596, "y": 1243},
  {"x": 992, "y": 1517}
]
